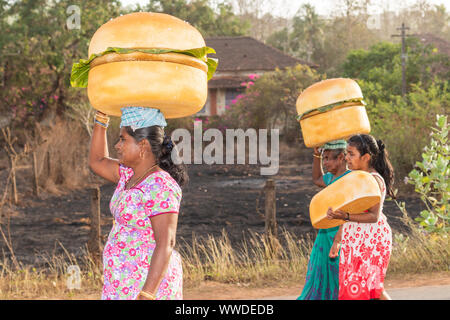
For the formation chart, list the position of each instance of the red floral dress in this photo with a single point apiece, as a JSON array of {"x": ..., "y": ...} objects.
[{"x": 364, "y": 257}]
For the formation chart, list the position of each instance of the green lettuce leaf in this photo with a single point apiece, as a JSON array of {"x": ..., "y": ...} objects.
[
  {"x": 80, "y": 70},
  {"x": 328, "y": 107}
]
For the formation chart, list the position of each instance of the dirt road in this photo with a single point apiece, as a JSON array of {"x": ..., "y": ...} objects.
[
  {"x": 412, "y": 293},
  {"x": 435, "y": 286}
]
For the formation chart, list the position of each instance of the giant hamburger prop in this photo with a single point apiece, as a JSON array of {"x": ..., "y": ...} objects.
[
  {"x": 354, "y": 193},
  {"x": 149, "y": 60},
  {"x": 331, "y": 109}
]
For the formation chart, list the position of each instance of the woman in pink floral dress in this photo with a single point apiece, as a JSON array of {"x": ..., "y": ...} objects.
[
  {"x": 139, "y": 261},
  {"x": 365, "y": 239}
]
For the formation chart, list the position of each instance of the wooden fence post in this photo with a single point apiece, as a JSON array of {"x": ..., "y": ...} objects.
[
  {"x": 94, "y": 242},
  {"x": 35, "y": 175},
  {"x": 14, "y": 195},
  {"x": 47, "y": 158},
  {"x": 270, "y": 210}
]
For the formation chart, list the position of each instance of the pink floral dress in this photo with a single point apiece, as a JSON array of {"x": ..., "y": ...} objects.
[
  {"x": 364, "y": 257},
  {"x": 131, "y": 242}
]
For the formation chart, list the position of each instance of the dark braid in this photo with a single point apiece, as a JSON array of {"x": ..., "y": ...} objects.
[
  {"x": 379, "y": 158},
  {"x": 162, "y": 147}
]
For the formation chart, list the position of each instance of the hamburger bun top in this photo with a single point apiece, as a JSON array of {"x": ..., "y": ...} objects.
[
  {"x": 328, "y": 92},
  {"x": 146, "y": 30}
]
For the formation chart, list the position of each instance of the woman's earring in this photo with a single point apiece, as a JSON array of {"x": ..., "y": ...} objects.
[{"x": 141, "y": 154}]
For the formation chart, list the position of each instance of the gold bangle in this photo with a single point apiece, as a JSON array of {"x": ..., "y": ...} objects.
[
  {"x": 101, "y": 120},
  {"x": 147, "y": 295},
  {"x": 101, "y": 115},
  {"x": 320, "y": 157}
]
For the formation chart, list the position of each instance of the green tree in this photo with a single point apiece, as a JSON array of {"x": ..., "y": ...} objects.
[
  {"x": 325, "y": 42},
  {"x": 42, "y": 50},
  {"x": 279, "y": 40},
  {"x": 382, "y": 64},
  {"x": 269, "y": 102},
  {"x": 402, "y": 122},
  {"x": 306, "y": 39},
  {"x": 199, "y": 13}
]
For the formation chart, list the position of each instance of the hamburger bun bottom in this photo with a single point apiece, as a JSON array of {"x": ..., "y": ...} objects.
[
  {"x": 177, "y": 90},
  {"x": 338, "y": 123}
]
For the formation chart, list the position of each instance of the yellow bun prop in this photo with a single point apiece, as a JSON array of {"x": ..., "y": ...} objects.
[
  {"x": 133, "y": 84},
  {"x": 331, "y": 110},
  {"x": 146, "y": 30},
  {"x": 174, "y": 83},
  {"x": 334, "y": 125},
  {"x": 354, "y": 193}
]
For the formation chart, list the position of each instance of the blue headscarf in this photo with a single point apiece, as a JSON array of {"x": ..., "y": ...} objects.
[{"x": 140, "y": 117}]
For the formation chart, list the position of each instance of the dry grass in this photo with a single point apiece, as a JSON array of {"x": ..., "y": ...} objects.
[
  {"x": 256, "y": 262},
  {"x": 419, "y": 252},
  {"x": 50, "y": 281}
]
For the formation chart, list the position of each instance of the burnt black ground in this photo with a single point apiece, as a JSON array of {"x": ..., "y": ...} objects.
[{"x": 218, "y": 198}]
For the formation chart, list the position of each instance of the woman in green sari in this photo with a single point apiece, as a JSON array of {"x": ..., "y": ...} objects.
[{"x": 322, "y": 276}]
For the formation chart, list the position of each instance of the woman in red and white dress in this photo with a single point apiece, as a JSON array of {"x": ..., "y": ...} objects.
[{"x": 365, "y": 239}]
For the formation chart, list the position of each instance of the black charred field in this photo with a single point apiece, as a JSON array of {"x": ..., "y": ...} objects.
[{"x": 218, "y": 198}]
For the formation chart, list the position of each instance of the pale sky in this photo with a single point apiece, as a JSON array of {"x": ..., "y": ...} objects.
[{"x": 287, "y": 8}]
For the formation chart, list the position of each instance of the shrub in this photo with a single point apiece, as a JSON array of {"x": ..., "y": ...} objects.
[
  {"x": 269, "y": 102},
  {"x": 431, "y": 180},
  {"x": 403, "y": 123}
]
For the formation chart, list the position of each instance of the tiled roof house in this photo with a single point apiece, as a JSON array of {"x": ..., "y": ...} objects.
[{"x": 240, "y": 57}]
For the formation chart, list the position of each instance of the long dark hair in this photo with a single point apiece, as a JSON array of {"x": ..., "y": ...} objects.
[
  {"x": 162, "y": 146},
  {"x": 366, "y": 143}
]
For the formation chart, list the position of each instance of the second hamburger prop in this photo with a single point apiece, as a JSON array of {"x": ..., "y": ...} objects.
[
  {"x": 330, "y": 110},
  {"x": 150, "y": 60},
  {"x": 354, "y": 193}
]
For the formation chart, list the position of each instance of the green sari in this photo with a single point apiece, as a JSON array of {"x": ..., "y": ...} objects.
[{"x": 322, "y": 276}]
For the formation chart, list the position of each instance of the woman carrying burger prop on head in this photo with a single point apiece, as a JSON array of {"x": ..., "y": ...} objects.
[
  {"x": 365, "y": 239},
  {"x": 322, "y": 277},
  {"x": 138, "y": 259}
]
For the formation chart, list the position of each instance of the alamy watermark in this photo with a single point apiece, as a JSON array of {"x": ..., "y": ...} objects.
[
  {"x": 74, "y": 19},
  {"x": 235, "y": 142},
  {"x": 74, "y": 277}
]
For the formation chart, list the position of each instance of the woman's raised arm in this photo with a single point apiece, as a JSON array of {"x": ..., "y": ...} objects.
[{"x": 99, "y": 161}]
